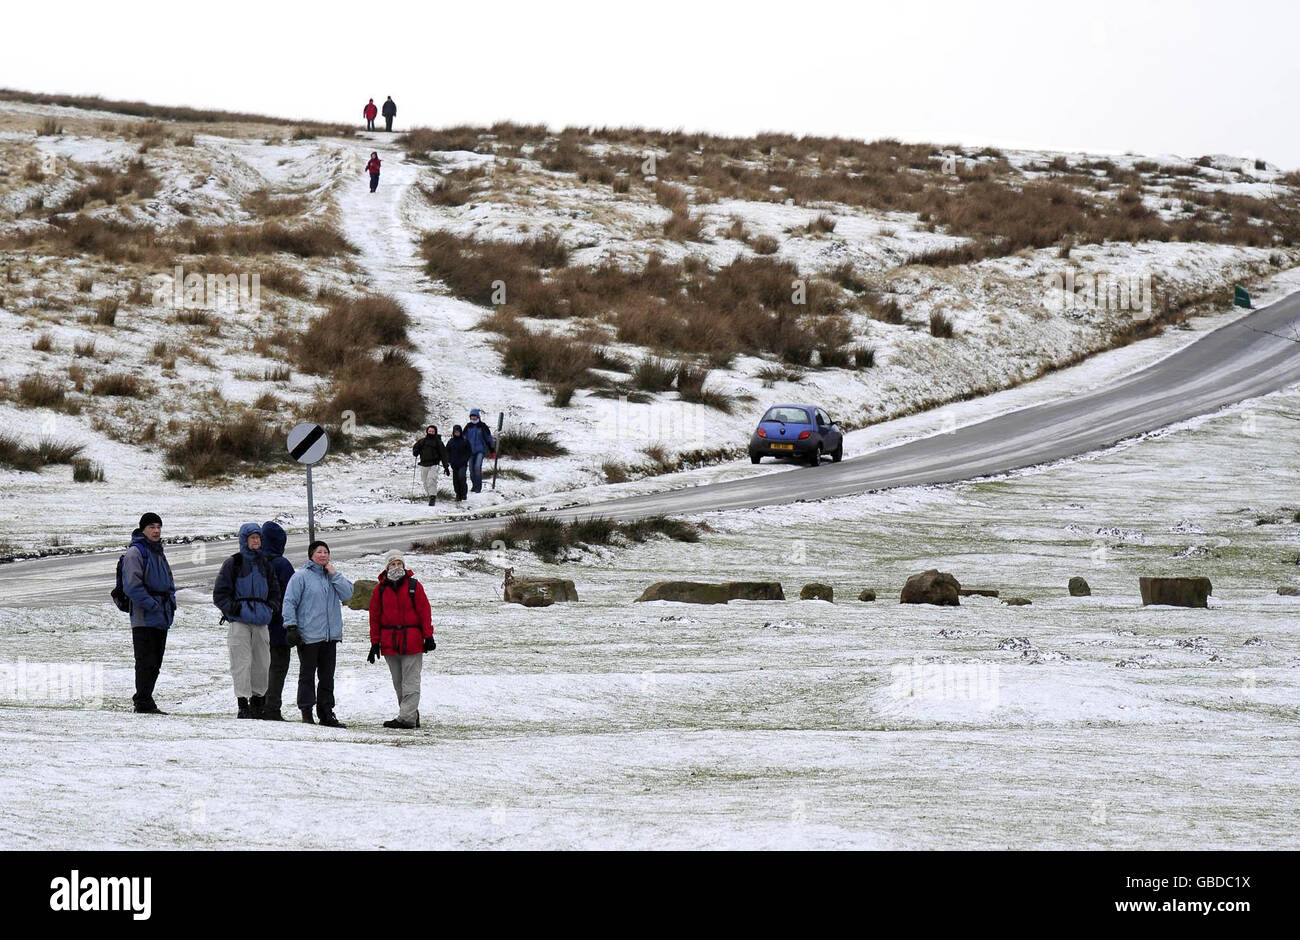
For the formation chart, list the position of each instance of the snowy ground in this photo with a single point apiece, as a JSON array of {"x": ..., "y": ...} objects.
[{"x": 1072, "y": 723}]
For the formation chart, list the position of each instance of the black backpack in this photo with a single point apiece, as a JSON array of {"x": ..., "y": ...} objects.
[{"x": 119, "y": 596}]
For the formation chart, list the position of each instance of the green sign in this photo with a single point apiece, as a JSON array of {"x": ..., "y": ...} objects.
[{"x": 1240, "y": 298}]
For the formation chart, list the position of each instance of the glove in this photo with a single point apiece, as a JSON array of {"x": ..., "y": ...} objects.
[
  {"x": 292, "y": 636},
  {"x": 493, "y": 455},
  {"x": 429, "y": 644},
  {"x": 374, "y": 653}
]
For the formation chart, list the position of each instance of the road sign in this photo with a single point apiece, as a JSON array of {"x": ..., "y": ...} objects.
[
  {"x": 308, "y": 443},
  {"x": 1240, "y": 297}
]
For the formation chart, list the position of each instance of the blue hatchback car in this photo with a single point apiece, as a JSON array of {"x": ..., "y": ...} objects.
[{"x": 800, "y": 432}]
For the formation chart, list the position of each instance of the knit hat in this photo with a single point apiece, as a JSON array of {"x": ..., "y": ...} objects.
[
  {"x": 392, "y": 556},
  {"x": 473, "y": 412},
  {"x": 311, "y": 549},
  {"x": 150, "y": 518}
]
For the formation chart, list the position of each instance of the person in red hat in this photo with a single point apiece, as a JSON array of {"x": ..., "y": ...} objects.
[{"x": 373, "y": 169}]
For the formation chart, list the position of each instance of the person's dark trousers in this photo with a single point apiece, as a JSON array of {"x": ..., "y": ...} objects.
[
  {"x": 388, "y": 123},
  {"x": 476, "y": 471},
  {"x": 374, "y": 181},
  {"x": 458, "y": 481},
  {"x": 280, "y": 657},
  {"x": 316, "y": 662},
  {"x": 370, "y": 124},
  {"x": 149, "y": 644}
]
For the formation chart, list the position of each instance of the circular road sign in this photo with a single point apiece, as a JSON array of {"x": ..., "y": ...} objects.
[{"x": 308, "y": 443}]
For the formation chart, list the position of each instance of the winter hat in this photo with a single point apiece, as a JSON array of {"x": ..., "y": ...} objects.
[
  {"x": 474, "y": 413},
  {"x": 150, "y": 518},
  {"x": 392, "y": 556},
  {"x": 311, "y": 549}
]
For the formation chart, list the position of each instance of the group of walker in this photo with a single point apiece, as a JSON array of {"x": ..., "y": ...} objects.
[{"x": 271, "y": 610}]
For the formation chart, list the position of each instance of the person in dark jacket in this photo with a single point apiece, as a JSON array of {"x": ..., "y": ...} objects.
[
  {"x": 369, "y": 112},
  {"x": 432, "y": 452},
  {"x": 373, "y": 169},
  {"x": 248, "y": 594},
  {"x": 147, "y": 581},
  {"x": 458, "y": 455},
  {"x": 481, "y": 445},
  {"x": 390, "y": 112},
  {"x": 401, "y": 630},
  {"x": 273, "y": 541}
]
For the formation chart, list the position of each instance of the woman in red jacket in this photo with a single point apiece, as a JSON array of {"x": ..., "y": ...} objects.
[
  {"x": 373, "y": 169},
  {"x": 369, "y": 112},
  {"x": 401, "y": 630}
]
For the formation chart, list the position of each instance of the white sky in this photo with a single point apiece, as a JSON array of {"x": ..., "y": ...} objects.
[{"x": 1151, "y": 77}]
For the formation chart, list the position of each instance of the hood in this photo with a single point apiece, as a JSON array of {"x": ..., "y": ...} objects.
[
  {"x": 139, "y": 538},
  {"x": 273, "y": 539},
  {"x": 245, "y": 530},
  {"x": 455, "y": 428}
]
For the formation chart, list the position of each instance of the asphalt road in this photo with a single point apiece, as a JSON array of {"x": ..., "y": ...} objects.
[{"x": 1253, "y": 356}]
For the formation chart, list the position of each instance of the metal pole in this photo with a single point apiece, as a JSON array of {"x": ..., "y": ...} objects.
[
  {"x": 311, "y": 510},
  {"x": 501, "y": 420}
]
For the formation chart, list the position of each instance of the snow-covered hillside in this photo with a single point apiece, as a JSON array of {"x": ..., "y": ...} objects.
[{"x": 79, "y": 313}]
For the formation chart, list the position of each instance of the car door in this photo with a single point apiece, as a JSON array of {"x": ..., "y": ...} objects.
[{"x": 830, "y": 436}]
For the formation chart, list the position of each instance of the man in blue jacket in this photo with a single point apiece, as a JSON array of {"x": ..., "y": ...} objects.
[
  {"x": 147, "y": 581},
  {"x": 314, "y": 624},
  {"x": 248, "y": 593},
  {"x": 273, "y": 541},
  {"x": 479, "y": 437}
]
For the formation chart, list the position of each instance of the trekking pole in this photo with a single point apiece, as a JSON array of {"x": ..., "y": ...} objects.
[
  {"x": 501, "y": 419},
  {"x": 415, "y": 477}
]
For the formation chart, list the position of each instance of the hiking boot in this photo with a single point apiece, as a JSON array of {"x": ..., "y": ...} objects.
[
  {"x": 392, "y": 723},
  {"x": 272, "y": 714},
  {"x": 149, "y": 709},
  {"x": 243, "y": 708},
  {"x": 330, "y": 720},
  {"x": 307, "y": 718},
  {"x": 257, "y": 706},
  {"x": 432, "y": 500},
  {"x": 399, "y": 723}
]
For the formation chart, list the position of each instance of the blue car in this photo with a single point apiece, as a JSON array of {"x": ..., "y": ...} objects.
[{"x": 799, "y": 432}]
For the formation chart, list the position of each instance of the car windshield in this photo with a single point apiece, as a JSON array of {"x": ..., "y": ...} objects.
[{"x": 787, "y": 415}]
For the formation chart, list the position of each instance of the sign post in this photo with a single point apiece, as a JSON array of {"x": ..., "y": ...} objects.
[
  {"x": 307, "y": 444},
  {"x": 1240, "y": 297}
]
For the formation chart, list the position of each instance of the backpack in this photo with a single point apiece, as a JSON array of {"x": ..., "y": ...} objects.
[{"x": 119, "y": 596}]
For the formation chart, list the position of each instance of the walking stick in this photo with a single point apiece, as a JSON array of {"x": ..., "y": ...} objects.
[{"x": 501, "y": 419}]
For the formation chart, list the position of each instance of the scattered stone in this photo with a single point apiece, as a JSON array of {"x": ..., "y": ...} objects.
[
  {"x": 1017, "y": 601},
  {"x": 537, "y": 592},
  {"x": 362, "y": 588},
  {"x": 816, "y": 591},
  {"x": 1254, "y": 641},
  {"x": 867, "y": 595},
  {"x": 1175, "y": 592},
  {"x": 931, "y": 587},
  {"x": 784, "y": 625},
  {"x": 977, "y": 592},
  {"x": 1016, "y": 643},
  {"x": 1078, "y": 587},
  {"x": 1289, "y": 591}
]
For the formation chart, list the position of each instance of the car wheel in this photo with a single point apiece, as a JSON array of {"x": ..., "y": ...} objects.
[
  {"x": 815, "y": 459},
  {"x": 754, "y": 458},
  {"x": 838, "y": 453}
]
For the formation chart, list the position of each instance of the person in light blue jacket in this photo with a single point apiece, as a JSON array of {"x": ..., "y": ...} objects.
[{"x": 313, "y": 620}]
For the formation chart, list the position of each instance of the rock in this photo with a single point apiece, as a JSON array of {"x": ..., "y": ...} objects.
[
  {"x": 361, "y": 591},
  {"x": 816, "y": 591},
  {"x": 1289, "y": 591},
  {"x": 1017, "y": 601},
  {"x": 1078, "y": 587},
  {"x": 977, "y": 592},
  {"x": 867, "y": 595},
  {"x": 1175, "y": 592},
  {"x": 686, "y": 592},
  {"x": 537, "y": 592},
  {"x": 755, "y": 591},
  {"x": 931, "y": 587}
]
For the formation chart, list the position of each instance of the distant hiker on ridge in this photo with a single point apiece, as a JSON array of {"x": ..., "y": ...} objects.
[
  {"x": 369, "y": 111},
  {"x": 390, "y": 112},
  {"x": 373, "y": 169}
]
